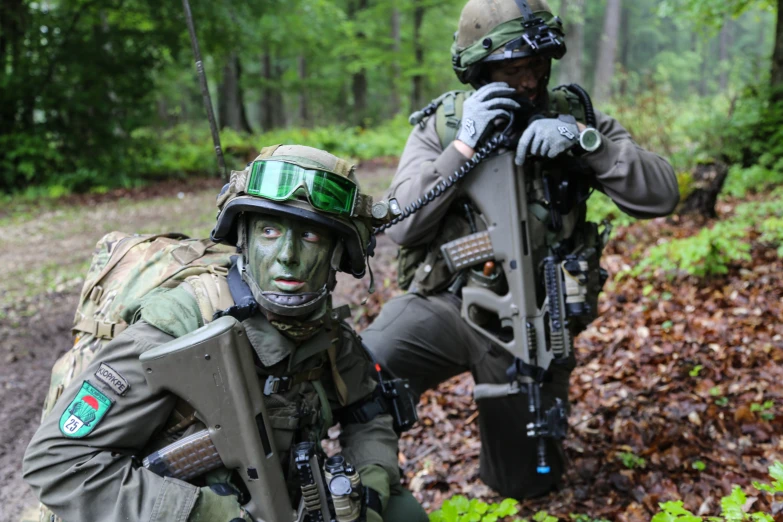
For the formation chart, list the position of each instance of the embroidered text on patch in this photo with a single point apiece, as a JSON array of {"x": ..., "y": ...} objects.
[
  {"x": 85, "y": 412},
  {"x": 111, "y": 378}
]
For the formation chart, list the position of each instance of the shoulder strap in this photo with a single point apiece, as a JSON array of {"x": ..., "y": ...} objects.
[
  {"x": 448, "y": 116},
  {"x": 563, "y": 100},
  {"x": 211, "y": 292}
]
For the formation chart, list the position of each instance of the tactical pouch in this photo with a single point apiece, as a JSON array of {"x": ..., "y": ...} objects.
[
  {"x": 408, "y": 259},
  {"x": 591, "y": 250}
]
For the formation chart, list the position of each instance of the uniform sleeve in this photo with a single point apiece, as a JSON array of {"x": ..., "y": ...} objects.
[
  {"x": 422, "y": 166},
  {"x": 640, "y": 182},
  {"x": 96, "y": 477},
  {"x": 372, "y": 446}
]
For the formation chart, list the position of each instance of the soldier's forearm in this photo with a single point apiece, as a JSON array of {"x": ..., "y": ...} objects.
[
  {"x": 642, "y": 183},
  {"x": 413, "y": 183}
]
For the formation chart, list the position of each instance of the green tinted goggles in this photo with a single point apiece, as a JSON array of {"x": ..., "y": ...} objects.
[{"x": 326, "y": 191}]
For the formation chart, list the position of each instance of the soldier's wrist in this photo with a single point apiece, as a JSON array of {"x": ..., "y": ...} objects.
[{"x": 464, "y": 149}]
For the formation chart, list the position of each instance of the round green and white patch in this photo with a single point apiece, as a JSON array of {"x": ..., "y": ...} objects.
[{"x": 85, "y": 412}]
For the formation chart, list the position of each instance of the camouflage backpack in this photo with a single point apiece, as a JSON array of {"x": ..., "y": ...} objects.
[{"x": 124, "y": 269}]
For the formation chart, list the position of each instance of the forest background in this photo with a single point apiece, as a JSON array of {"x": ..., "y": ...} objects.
[
  {"x": 96, "y": 94},
  {"x": 99, "y": 101}
]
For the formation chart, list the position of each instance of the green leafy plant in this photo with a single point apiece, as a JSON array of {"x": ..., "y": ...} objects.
[
  {"x": 764, "y": 410},
  {"x": 460, "y": 509},
  {"x": 713, "y": 250},
  {"x": 699, "y": 465},
  {"x": 732, "y": 505},
  {"x": 631, "y": 461},
  {"x": 696, "y": 370}
]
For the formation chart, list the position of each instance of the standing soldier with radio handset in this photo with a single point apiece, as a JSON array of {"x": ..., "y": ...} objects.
[
  {"x": 504, "y": 49},
  {"x": 297, "y": 217}
]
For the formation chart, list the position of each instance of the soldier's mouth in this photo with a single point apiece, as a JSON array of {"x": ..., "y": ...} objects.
[{"x": 288, "y": 285}]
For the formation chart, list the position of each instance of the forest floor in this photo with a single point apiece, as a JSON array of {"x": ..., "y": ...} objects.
[{"x": 676, "y": 394}]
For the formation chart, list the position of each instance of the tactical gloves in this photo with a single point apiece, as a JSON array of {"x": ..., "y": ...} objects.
[
  {"x": 218, "y": 503},
  {"x": 547, "y": 138},
  {"x": 489, "y": 102}
]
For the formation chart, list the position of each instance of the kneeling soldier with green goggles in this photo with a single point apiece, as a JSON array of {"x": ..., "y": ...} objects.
[{"x": 157, "y": 425}]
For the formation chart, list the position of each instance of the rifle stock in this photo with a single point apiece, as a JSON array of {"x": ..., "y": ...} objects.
[{"x": 212, "y": 369}]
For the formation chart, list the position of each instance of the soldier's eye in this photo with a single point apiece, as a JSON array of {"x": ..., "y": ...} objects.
[
  {"x": 312, "y": 237},
  {"x": 270, "y": 232}
]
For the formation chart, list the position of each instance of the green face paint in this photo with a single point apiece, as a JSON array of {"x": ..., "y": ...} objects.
[{"x": 288, "y": 256}]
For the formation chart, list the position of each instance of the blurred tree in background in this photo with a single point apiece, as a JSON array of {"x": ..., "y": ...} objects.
[{"x": 100, "y": 93}]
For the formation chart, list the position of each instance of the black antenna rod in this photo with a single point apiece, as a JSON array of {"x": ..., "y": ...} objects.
[{"x": 202, "y": 79}]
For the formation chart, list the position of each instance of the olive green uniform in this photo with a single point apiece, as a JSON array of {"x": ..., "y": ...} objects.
[
  {"x": 99, "y": 477},
  {"x": 422, "y": 337}
]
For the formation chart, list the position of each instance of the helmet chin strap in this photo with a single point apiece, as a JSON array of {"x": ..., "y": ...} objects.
[{"x": 287, "y": 305}]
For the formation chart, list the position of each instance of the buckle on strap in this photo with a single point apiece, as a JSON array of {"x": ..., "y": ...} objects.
[{"x": 276, "y": 385}]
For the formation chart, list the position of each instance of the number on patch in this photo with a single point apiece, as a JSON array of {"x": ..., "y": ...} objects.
[{"x": 71, "y": 426}]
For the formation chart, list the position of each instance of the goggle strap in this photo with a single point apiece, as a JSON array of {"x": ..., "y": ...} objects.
[
  {"x": 343, "y": 168},
  {"x": 363, "y": 206},
  {"x": 267, "y": 152}
]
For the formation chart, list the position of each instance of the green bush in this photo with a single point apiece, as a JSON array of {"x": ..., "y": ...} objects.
[{"x": 712, "y": 250}]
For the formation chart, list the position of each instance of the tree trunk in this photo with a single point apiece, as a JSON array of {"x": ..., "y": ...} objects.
[
  {"x": 394, "y": 101},
  {"x": 723, "y": 54},
  {"x": 267, "y": 97},
  {"x": 231, "y": 106},
  {"x": 359, "y": 78},
  {"x": 278, "y": 95},
  {"x": 417, "y": 94},
  {"x": 708, "y": 182},
  {"x": 571, "y": 70},
  {"x": 12, "y": 31},
  {"x": 705, "y": 66},
  {"x": 304, "y": 109},
  {"x": 625, "y": 47},
  {"x": 776, "y": 79},
  {"x": 607, "y": 51}
]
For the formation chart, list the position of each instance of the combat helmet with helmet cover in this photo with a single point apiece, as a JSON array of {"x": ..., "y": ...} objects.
[
  {"x": 351, "y": 222},
  {"x": 494, "y": 30}
]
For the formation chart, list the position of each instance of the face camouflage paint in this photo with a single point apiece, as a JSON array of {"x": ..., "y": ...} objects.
[{"x": 288, "y": 256}]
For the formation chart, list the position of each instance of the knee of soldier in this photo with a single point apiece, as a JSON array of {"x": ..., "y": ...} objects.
[{"x": 403, "y": 507}]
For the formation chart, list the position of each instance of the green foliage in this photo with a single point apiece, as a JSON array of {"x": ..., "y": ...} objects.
[
  {"x": 732, "y": 505},
  {"x": 460, "y": 509},
  {"x": 699, "y": 465},
  {"x": 186, "y": 148},
  {"x": 696, "y": 370},
  {"x": 585, "y": 518},
  {"x": 764, "y": 410},
  {"x": 713, "y": 250},
  {"x": 631, "y": 461}
]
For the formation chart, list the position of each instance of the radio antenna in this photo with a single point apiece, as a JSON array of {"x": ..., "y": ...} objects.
[{"x": 202, "y": 79}]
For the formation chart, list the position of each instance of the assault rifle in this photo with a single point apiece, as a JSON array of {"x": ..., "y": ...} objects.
[
  {"x": 530, "y": 324},
  {"x": 212, "y": 368}
]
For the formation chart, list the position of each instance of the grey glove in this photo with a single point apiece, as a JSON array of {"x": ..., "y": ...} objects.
[
  {"x": 547, "y": 138},
  {"x": 478, "y": 112}
]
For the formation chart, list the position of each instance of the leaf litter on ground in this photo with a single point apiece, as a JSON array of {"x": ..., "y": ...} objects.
[{"x": 662, "y": 398}]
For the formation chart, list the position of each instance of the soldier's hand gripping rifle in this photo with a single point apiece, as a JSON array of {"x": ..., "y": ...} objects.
[{"x": 212, "y": 369}]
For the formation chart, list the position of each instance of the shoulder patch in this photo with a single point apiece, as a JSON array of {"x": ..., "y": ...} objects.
[
  {"x": 111, "y": 378},
  {"x": 85, "y": 412}
]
